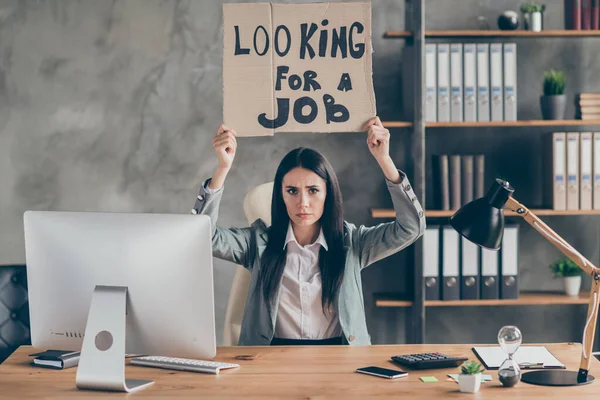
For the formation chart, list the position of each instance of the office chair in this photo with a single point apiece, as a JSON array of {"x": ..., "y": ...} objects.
[
  {"x": 14, "y": 309},
  {"x": 257, "y": 204}
]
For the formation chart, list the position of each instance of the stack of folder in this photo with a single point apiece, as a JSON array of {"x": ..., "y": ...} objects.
[
  {"x": 470, "y": 82},
  {"x": 456, "y": 269},
  {"x": 573, "y": 171},
  {"x": 582, "y": 14},
  {"x": 587, "y": 106},
  {"x": 457, "y": 179}
]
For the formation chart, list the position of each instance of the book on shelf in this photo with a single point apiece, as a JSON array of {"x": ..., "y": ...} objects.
[{"x": 587, "y": 106}]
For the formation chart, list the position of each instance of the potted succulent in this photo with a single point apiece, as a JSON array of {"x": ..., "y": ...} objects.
[
  {"x": 554, "y": 100},
  {"x": 570, "y": 272},
  {"x": 469, "y": 380},
  {"x": 532, "y": 16}
]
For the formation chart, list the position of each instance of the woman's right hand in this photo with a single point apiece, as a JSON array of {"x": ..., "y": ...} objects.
[{"x": 225, "y": 146}]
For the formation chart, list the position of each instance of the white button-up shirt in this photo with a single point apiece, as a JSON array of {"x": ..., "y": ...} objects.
[{"x": 300, "y": 313}]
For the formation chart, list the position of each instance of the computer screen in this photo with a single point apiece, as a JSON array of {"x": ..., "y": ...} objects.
[{"x": 164, "y": 261}]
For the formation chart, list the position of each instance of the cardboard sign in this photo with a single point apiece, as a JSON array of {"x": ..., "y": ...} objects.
[{"x": 297, "y": 67}]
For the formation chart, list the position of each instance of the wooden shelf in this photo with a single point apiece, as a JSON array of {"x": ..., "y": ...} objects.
[
  {"x": 525, "y": 299},
  {"x": 397, "y": 34},
  {"x": 493, "y": 33},
  {"x": 497, "y": 124},
  {"x": 490, "y": 124},
  {"x": 397, "y": 124},
  {"x": 390, "y": 213}
]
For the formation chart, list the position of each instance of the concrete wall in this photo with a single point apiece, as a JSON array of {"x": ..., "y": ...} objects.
[{"x": 111, "y": 106}]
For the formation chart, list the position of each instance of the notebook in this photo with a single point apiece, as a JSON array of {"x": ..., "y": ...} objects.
[{"x": 528, "y": 357}]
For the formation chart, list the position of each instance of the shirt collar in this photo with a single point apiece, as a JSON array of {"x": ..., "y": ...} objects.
[{"x": 290, "y": 237}]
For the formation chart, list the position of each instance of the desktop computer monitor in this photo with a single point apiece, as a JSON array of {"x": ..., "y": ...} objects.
[{"x": 114, "y": 283}]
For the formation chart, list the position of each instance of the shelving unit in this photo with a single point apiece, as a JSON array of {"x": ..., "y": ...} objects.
[
  {"x": 497, "y": 124},
  {"x": 390, "y": 213},
  {"x": 414, "y": 301},
  {"x": 525, "y": 299},
  {"x": 432, "y": 34}
]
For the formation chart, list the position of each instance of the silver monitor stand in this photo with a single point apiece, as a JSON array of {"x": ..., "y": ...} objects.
[{"x": 102, "y": 359}]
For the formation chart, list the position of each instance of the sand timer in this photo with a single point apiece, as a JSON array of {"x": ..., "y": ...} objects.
[{"x": 509, "y": 339}]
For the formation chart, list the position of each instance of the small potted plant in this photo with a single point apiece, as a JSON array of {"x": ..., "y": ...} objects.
[
  {"x": 554, "y": 100},
  {"x": 570, "y": 272},
  {"x": 533, "y": 16},
  {"x": 469, "y": 380}
]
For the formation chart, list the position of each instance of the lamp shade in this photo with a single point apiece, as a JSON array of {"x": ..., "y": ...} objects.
[{"x": 482, "y": 221}]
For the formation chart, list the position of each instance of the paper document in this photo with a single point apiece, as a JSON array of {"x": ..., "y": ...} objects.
[{"x": 527, "y": 356}]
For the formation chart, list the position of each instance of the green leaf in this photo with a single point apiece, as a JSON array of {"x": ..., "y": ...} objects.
[
  {"x": 565, "y": 267},
  {"x": 471, "y": 368},
  {"x": 531, "y": 7},
  {"x": 554, "y": 82}
]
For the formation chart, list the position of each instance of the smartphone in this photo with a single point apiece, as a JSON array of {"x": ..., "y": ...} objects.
[{"x": 382, "y": 372}]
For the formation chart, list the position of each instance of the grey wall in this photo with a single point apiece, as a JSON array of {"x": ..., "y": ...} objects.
[{"x": 111, "y": 106}]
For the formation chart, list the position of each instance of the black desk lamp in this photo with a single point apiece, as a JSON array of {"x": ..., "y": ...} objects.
[{"x": 482, "y": 222}]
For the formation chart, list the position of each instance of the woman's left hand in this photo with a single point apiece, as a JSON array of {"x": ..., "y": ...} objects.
[{"x": 378, "y": 139}]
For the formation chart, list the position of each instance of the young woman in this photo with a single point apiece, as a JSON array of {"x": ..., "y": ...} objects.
[{"x": 306, "y": 268}]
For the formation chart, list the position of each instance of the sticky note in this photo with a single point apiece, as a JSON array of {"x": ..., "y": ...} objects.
[{"x": 428, "y": 379}]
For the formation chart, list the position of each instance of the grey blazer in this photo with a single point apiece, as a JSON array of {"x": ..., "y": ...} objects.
[{"x": 364, "y": 246}]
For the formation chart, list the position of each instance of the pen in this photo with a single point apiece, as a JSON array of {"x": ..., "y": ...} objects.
[{"x": 528, "y": 365}]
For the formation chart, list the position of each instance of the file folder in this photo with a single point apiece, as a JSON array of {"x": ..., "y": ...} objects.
[
  {"x": 479, "y": 176},
  {"x": 456, "y": 82},
  {"x": 489, "y": 274},
  {"x": 555, "y": 154},
  {"x": 431, "y": 262},
  {"x": 492, "y": 357},
  {"x": 441, "y": 181},
  {"x": 467, "y": 179},
  {"x": 483, "y": 95},
  {"x": 573, "y": 171},
  {"x": 443, "y": 83},
  {"x": 430, "y": 82},
  {"x": 497, "y": 97},
  {"x": 455, "y": 181},
  {"x": 596, "y": 166},
  {"x": 469, "y": 270},
  {"x": 450, "y": 264},
  {"x": 470, "y": 82},
  {"x": 585, "y": 175},
  {"x": 510, "y": 81},
  {"x": 510, "y": 263}
]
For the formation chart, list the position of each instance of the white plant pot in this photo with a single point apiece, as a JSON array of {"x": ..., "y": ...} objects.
[
  {"x": 536, "y": 21},
  {"x": 469, "y": 383},
  {"x": 572, "y": 285}
]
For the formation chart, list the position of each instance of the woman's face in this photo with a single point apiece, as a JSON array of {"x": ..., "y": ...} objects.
[{"x": 304, "y": 195}]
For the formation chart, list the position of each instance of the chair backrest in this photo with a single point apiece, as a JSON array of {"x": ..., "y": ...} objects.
[
  {"x": 14, "y": 309},
  {"x": 257, "y": 204}
]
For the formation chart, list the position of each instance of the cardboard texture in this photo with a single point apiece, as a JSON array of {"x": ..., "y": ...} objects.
[{"x": 297, "y": 67}]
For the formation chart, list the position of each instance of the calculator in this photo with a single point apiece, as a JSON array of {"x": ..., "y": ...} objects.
[{"x": 428, "y": 360}]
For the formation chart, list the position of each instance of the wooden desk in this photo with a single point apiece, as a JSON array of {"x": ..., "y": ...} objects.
[{"x": 294, "y": 372}]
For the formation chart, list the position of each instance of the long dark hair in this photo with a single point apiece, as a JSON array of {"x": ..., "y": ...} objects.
[{"x": 332, "y": 261}]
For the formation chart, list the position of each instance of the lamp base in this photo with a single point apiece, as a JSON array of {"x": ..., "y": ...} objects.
[{"x": 556, "y": 377}]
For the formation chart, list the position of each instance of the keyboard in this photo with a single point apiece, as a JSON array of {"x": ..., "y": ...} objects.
[
  {"x": 428, "y": 361},
  {"x": 182, "y": 364}
]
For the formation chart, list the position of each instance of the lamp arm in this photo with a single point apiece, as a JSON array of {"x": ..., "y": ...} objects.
[
  {"x": 583, "y": 263},
  {"x": 553, "y": 237}
]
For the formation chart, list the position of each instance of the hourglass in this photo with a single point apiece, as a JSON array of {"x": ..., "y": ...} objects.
[{"x": 509, "y": 339}]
